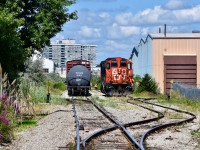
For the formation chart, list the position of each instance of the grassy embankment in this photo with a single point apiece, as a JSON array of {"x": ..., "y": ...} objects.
[{"x": 39, "y": 104}]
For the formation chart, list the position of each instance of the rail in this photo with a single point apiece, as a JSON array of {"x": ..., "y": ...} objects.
[
  {"x": 78, "y": 143},
  {"x": 117, "y": 125},
  {"x": 158, "y": 127}
]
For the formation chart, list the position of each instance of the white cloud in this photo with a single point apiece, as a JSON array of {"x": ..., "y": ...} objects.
[
  {"x": 104, "y": 15},
  {"x": 58, "y": 37},
  {"x": 117, "y": 32},
  {"x": 116, "y": 45},
  {"x": 124, "y": 18},
  {"x": 160, "y": 15},
  {"x": 130, "y": 30},
  {"x": 189, "y": 15},
  {"x": 174, "y": 4},
  {"x": 89, "y": 32}
]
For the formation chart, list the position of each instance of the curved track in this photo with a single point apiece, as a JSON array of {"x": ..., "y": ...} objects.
[
  {"x": 162, "y": 126},
  {"x": 123, "y": 127}
]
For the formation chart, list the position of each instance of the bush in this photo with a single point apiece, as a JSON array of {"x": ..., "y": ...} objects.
[
  {"x": 54, "y": 77},
  {"x": 38, "y": 94},
  {"x": 147, "y": 84},
  {"x": 96, "y": 82},
  {"x": 60, "y": 86},
  {"x": 137, "y": 78}
]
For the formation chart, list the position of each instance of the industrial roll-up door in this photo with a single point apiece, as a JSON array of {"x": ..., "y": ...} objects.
[{"x": 179, "y": 69}]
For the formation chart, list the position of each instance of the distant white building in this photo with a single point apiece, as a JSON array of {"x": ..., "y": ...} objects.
[
  {"x": 96, "y": 71},
  {"x": 48, "y": 65},
  {"x": 66, "y": 50}
]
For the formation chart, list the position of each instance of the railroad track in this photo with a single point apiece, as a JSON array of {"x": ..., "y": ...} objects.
[
  {"x": 115, "y": 138},
  {"x": 157, "y": 127},
  {"x": 105, "y": 138},
  {"x": 109, "y": 135}
]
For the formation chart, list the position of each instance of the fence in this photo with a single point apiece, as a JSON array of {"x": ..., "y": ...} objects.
[{"x": 190, "y": 91}]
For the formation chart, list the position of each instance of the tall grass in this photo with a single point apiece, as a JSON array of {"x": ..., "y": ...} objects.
[
  {"x": 38, "y": 94},
  {"x": 106, "y": 103},
  {"x": 184, "y": 103},
  {"x": 9, "y": 108}
]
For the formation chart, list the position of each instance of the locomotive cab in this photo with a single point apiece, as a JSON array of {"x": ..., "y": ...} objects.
[{"x": 116, "y": 75}]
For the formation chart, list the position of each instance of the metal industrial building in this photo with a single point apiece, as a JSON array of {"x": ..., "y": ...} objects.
[
  {"x": 167, "y": 57},
  {"x": 67, "y": 50}
]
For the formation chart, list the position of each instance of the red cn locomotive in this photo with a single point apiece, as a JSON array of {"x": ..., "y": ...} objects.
[{"x": 116, "y": 76}]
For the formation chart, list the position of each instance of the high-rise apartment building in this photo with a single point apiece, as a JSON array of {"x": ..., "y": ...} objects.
[{"x": 67, "y": 50}]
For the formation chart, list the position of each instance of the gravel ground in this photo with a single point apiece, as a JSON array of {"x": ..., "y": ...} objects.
[
  {"x": 53, "y": 131},
  {"x": 58, "y": 130},
  {"x": 178, "y": 137}
]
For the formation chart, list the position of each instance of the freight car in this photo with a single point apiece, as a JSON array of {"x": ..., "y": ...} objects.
[
  {"x": 78, "y": 76},
  {"x": 116, "y": 76}
]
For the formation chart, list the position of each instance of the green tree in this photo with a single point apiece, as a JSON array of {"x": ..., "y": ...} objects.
[
  {"x": 34, "y": 70},
  {"x": 148, "y": 84},
  {"x": 12, "y": 54},
  {"x": 29, "y": 25}
]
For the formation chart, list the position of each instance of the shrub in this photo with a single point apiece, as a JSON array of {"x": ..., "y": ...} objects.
[
  {"x": 35, "y": 71},
  {"x": 38, "y": 94},
  {"x": 137, "y": 78},
  {"x": 96, "y": 82},
  {"x": 147, "y": 84},
  {"x": 54, "y": 77},
  {"x": 60, "y": 86}
]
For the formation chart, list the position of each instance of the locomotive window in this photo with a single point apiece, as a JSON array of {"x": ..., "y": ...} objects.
[
  {"x": 114, "y": 63},
  {"x": 107, "y": 66},
  {"x": 102, "y": 69},
  {"x": 123, "y": 63},
  {"x": 129, "y": 66}
]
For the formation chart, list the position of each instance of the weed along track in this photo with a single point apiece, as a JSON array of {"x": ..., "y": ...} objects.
[{"x": 171, "y": 117}]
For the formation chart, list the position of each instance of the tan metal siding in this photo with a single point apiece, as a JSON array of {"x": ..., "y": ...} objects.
[{"x": 172, "y": 47}]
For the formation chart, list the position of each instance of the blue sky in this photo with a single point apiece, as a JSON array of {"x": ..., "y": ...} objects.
[{"x": 116, "y": 26}]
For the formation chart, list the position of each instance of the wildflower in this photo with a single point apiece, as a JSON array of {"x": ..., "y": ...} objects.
[
  {"x": 4, "y": 120},
  {"x": 1, "y": 137},
  {"x": 10, "y": 101},
  {"x": 4, "y": 97}
]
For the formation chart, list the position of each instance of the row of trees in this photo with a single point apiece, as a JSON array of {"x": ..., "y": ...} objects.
[{"x": 26, "y": 26}]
